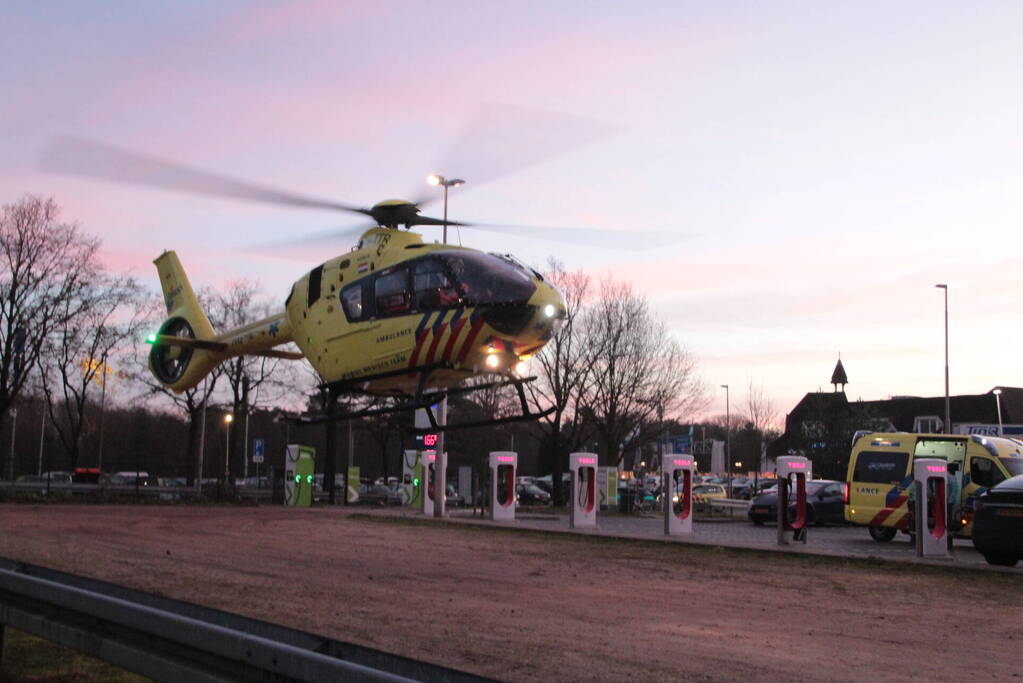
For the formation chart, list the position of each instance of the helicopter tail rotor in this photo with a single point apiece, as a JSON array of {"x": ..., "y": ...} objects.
[{"x": 178, "y": 358}]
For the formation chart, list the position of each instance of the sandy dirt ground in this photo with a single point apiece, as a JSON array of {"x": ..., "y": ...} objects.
[{"x": 532, "y": 606}]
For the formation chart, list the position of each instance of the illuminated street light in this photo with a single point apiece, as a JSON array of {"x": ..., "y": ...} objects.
[
  {"x": 437, "y": 179},
  {"x": 228, "y": 419}
]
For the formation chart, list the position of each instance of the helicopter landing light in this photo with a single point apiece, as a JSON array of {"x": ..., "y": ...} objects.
[
  {"x": 548, "y": 310},
  {"x": 493, "y": 361},
  {"x": 521, "y": 367}
]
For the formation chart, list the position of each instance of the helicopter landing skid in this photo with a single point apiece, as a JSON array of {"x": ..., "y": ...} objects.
[
  {"x": 426, "y": 400},
  {"x": 524, "y": 415}
]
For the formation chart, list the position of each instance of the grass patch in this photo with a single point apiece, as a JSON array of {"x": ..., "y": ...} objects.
[{"x": 28, "y": 658}]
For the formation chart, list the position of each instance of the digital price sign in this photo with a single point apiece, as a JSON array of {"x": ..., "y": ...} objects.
[{"x": 430, "y": 440}]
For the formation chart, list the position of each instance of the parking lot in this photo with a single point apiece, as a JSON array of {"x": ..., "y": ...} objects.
[{"x": 839, "y": 540}]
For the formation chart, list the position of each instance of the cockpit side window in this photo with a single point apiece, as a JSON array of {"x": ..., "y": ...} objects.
[
  {"x": 433, "y": 287},
  {"x": 351, "y": 299},
  {"x": 392, "y": 293}
]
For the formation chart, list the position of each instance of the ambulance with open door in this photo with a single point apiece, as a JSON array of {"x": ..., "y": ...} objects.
[{"x": 881, "y": 472}]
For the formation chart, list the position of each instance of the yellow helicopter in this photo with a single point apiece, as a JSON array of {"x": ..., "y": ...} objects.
[{"x": 395, "y": 316}]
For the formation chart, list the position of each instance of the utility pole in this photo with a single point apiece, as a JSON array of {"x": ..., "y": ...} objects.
[{"x": 728, "y": 439}]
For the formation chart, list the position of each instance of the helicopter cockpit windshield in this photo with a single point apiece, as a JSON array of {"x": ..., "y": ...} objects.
[{"x": 479, "y": 279}]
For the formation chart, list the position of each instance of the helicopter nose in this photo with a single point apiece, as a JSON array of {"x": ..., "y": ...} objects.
[{"x": 510, "y": 318}]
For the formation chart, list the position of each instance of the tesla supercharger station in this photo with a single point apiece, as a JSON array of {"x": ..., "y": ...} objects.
[
  {"x": 793, "y": 473},
  {"x": 930, "y": 477},
  {"x": 678, "y": 472},
  {"x": 299, "y": 464},
  {"x": 584, "y": 490},
  {"x": 502, "y": 485}
]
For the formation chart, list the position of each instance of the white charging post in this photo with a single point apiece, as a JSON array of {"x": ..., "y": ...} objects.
[
  {"x": 677, "y": 492},
  {"x": 429, "y": 460},
  {"x": 503, "y": 465},
  {"x": 584, "y": 489},
  {"x": 930, "y": 477},
  {"x": 793, "y": 473}
]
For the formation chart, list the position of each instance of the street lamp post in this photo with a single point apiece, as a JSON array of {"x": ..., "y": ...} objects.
[
  {"x": 228, "y": 419},
  {"x": 998, "y": 405},
  {"x": 201, "y": 464},
  {"x": 436, "y": 179},
  {"x": 728, "y": 439},
  {"x": 948, "y": 412},
  {"x": 441, "y": 461}
]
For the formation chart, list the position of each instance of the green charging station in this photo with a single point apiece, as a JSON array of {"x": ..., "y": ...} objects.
[{"x": 299, "y": 467}]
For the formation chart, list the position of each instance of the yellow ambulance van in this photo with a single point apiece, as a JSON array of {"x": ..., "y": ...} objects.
[{"x": 881, "y": 471}]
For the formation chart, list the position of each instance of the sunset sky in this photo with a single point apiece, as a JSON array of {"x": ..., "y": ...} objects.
[{"x": 827, "y": 163}]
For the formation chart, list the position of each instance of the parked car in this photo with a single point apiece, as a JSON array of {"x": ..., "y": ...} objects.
[
  {"x": 56, "y": 477},
  {"x": 825, "y": 500},
  {"x": 379, "y": 494},
  {"x": 751, "y": 487},
  {"x": 547, "y": 484},
  {"x": 453, "y": 497},
  {"x": 704, "y": 493},
  {"x": 129, "y": 479},
  {"x": 531, "y": 494},
  {"x": 339, "y": 483},
  {"x": 998, "y": 522},
  {"x": 89, "y": 475}
]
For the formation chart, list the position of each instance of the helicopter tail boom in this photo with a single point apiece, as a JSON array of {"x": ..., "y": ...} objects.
[{"x": 187, "y": 348}]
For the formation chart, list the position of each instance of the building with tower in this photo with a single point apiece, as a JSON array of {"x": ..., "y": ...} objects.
[{"x": 821, "y": 425}]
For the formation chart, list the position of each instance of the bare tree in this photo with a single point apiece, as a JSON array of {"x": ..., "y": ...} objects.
[
  {"x": 563, "y": 369},
  {"x": 250, "y": 380},
  {"x": 44, "y": 263},
  {"x": 761, "y": 415},
  {"x": 640, "y": 370},
  {"x": 96, "y": 324},
  {"x": 192, "y": 402},
  {"x": 760, "y": 410}
]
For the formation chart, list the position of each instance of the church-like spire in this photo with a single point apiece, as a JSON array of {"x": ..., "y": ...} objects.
[{"x": 839, "y": 376}]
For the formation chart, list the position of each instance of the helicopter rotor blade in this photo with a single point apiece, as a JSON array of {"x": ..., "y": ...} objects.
[
  {"x": 502, "y": 139},
  {"x": 426, "y": 220},
  {"x": 340, "y": 235},
  {"x": 332, "y": 237},
  {"x": 91, "y": 159},
  {"x": 630, "y": 240}
]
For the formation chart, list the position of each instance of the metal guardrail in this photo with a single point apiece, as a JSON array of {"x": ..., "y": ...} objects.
[
  {"x": 101, "y": 491},
  {"x": 170, "y": 640}
]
